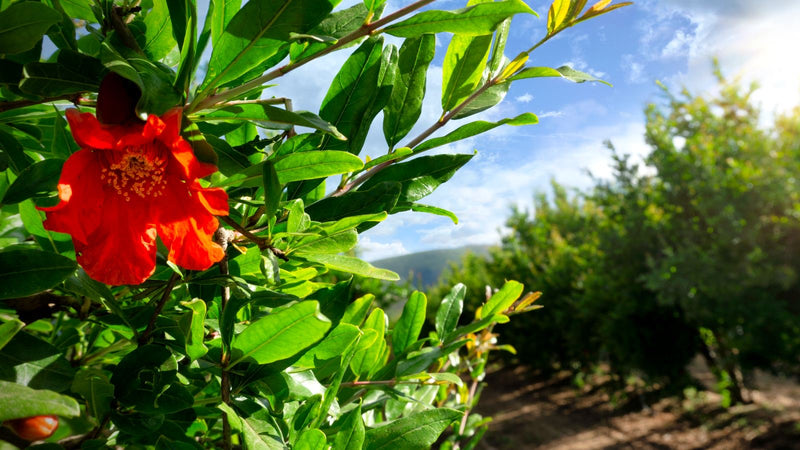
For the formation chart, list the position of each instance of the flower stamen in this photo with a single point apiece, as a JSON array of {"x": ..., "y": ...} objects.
[{"x": 136, "y": 171}]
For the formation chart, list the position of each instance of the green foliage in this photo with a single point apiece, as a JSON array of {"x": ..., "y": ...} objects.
[
  {"x": 696, "y": 255},
  {"x": 272, "y": 346}
]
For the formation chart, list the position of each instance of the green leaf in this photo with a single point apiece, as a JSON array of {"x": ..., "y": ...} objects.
[
  {"x": 257, "y": 32},
  {"x": 192, "y": 325},
  {"x": 487, "y": 99},
  {"x": 94, "y": 386},
  {"x": 269, "y": 117},
  {"x": 450, "y": 311},
  {"x": 352, "y": 265},
  {"x": 502, "y": 299},
  {"x": 158, "y": 39},
  {"x": 406, "y": 331},
  {"x": 351, "y": 432},
  {"x": 335, "y": 344},
  {"x": 498, "y": 46},
  {"x": 79, "y": 9},
  {"x": 73, "y": 72},
  {"x": 418, "y": 207},
  {"x": 463, "y": 68},
  {"x": 401, "y": 152},
  {"x": 356, "y": 312},
  {"x": 62, "y": 145},
  {"x": 415, "y": 431},
  {"x": 473, "y": 129},
  {"x": 374, "y": 5},
  {"x": 38, "y": 179},
  {"x": 221, "y": 15},
  {"x": 310, "y": 439},
  {"x": 381, "y": 197},
  {"x": 345, "y": 106},
  {"x": 475, "y": 20},
  {"x": 339, "y": 242},
  {"x": 33, "y": 362},
  {"x": 366, "y": 360},
  {"x": 229, "y": 161},
  {"x": 336, "y": 25},
  {"x": 281, "y": 335},
  {"x": 23, "y": 24},
  {"x": 25, "y": 272},
  {"x": 405, "y": 103},
  {"x": 421, "y": 176},
  {"x": 8, "y": 330},
  {"x": 300, "y": 166},
  {"x": 12, "y": 151},
  {"x": 272, "y": 190},
  {"x": 21, "y": 401},
  {"x": 566, "y": 72},
  {"x": 297, "y": 221}
]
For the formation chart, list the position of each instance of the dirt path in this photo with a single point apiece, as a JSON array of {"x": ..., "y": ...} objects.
[{"x": 553, "y": 414}]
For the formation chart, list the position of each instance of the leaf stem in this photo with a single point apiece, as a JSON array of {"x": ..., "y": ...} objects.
[
  {"x": 74, "y": 98},
  {"x": 260, "y": 241},
  {"x": 159, "y": 307},
  {"x": 205, "y": 101}
]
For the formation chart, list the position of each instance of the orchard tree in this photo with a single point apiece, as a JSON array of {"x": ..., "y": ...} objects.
[{"x": 167, "y": 225}]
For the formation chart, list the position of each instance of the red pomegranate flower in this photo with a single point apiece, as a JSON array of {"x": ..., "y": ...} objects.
[{"x": 129, "y": 183}]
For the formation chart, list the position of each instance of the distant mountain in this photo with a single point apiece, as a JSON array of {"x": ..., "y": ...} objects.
[{"x": 425, "y": 267}]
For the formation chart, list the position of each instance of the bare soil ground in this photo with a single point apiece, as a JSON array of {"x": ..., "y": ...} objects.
[{"x": 552, "y": 413}]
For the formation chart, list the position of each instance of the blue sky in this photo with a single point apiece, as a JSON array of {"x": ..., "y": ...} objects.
[{"x": 668, "y": 40}]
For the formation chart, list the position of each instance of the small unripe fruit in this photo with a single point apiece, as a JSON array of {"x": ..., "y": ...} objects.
[{"x": 34, "y": 428}]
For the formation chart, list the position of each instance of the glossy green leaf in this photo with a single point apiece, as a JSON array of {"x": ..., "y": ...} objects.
[
  {"x": 475, "y": 20},
  {"x": 33, "y": 362},
  {"x": 339, "y": 242},
  {"x": 381, "y": 197},
  {"x": 473, "y": 129},
  {"x": 272, "y": 189},
  {"x": 487, "y": 99},
  {"x": 406, "y": 330},
  {"x": 311, "y": 439},
  {"x": 418, "y": 207},
  {"x": 450, "y": 311},
  {"x": 282, "y": 334},
  {"x": 336, "y": 25},
  {"x": 229, "y": 161},
  {"x": 366, "y": 360},
  {"x": 315, "y": 164},
  {"x": 79, "y": 9},
  {"x": 221, "y": 15},
  {"x": 37, "y": 179},
  {"x": 62, "y": 34},
  {"x": 374, "y": 5},
  {"x": 498, "y": 46},
  {"x": 502, "y": 299},
  {"x": 352, "y": 432},
  {"x": 352, "y": 265},
  {"x": 63, "y": 144},
  {"x": 21, "y": 401},
  {"x": 415, "y": 431},
  {"x": 95, "y": 387},
  {"x": 420, "y": 176},
  {"x": 345, "y": 106},
  {"x": 158, "y": 39},
  {"x": 405, "y": 103},
  {"x": 268, "y": 116},
  {"x": 356, "y": 312},
  {"x": 27, "y": 271},
  {"x": 257, "y": 32},
  {"x": 463, "y": 68},
  {"x": 12, "y": 152},
  {"x": 398, "y": 153},
  {"x": 192, "y": 325},
  {"x": 333, "y": 345},
  {"x": 567, "y": 72},
  {"x": 8, "y": 330},
  {"x": 23, "y": 24}
]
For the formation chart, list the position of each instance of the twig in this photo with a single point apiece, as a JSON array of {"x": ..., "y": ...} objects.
[
  {"x": 160, "y": 306},
  {"x": 223, "y": 239},
  {"x": 74, "y": 98},
  {"x": 260, "y": 241}
]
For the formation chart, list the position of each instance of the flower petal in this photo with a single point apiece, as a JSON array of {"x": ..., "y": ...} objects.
[
  {"x": 215, "y": 200},
  {"x": 186, "y": 225},
  {"x": 88, "y": 131},
  {"x": 82, "y": 196},
  {"x": 122, "y": 250}
]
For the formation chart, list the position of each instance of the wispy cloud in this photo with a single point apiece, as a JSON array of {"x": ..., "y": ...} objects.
[{"x": 525, "y": 98}]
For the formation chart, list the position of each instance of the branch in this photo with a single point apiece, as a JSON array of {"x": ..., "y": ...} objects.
[
  {"x": 74, "y": 98},
  {"x": 204, "y": 101},
  {"x": 159, "y": 307}
]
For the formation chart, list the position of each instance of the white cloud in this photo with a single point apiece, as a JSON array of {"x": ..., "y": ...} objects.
[
  {"x": 525, "y": 98},
  {"x": 751, "y": 41},
  {"x": 371, "y": 250},
  {"x": 550, "y": 114}
]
